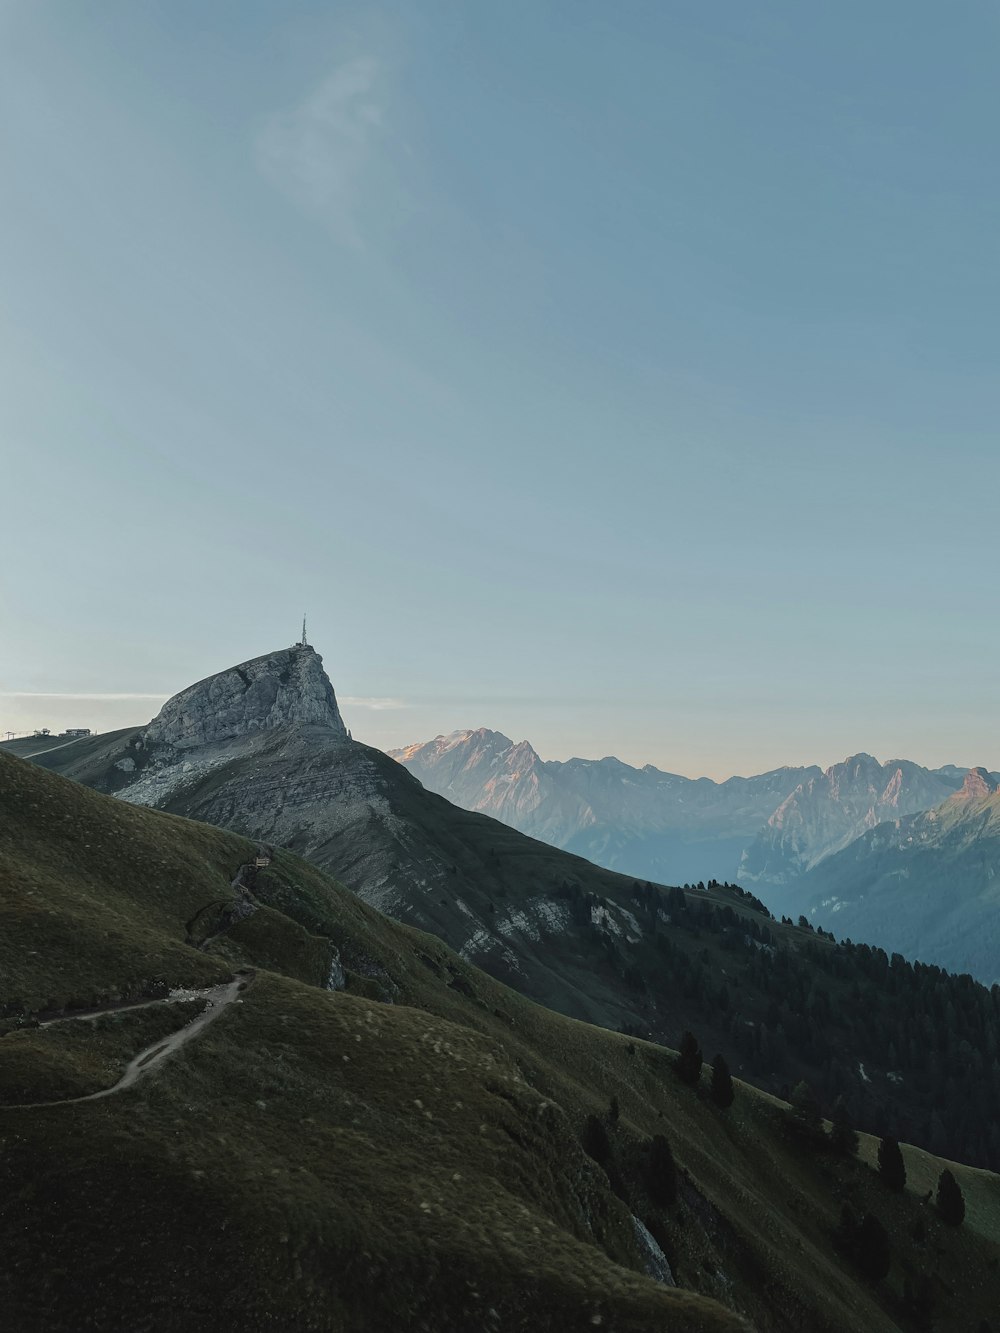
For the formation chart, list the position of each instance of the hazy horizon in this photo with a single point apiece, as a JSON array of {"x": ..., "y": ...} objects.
[
  {"x": 393, "y": 723},
  {"x": 619, "y": 379}
]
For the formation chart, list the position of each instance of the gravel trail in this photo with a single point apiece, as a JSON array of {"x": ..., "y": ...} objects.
[{"x": 217, "y": 998}]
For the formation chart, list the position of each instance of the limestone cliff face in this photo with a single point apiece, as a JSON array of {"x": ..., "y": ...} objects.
[
  {"x": 638, "y": 821},
  {"x": 978, "y": 786},
  {"x": 260, "y": 695},
  {"x": 826, "y": 814}
]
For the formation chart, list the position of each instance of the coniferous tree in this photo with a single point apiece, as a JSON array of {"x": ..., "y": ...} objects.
[
  {"x": 661, "y": 1174},
  {"x": 596, "y": 1143},
  {"x": 614, "y": 1111},
  {"x": 846, "y": 1232},
  {"x": 950, "y": 1200},
  {"x": 866, "y": 1243},
  {"x": 919, "y": 1297},
  {"x": 843, "y": 1139},
  {"x": 723, "y": 1093},
  {"x": 690, "y": 1059},
  {"x": 891, "y": 1167},
  {"x": 872, "y": 1253},
  {"x": 806, "y": 1117}
]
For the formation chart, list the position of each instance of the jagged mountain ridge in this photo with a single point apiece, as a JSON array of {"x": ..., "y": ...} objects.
[
  {"x": 291, "y": 780},
  {"x": 827, "y": 812},
  {"x": 639, "y": 821},
  {"x": 580, "y": 939},
  {"x": 267, "y": 692},
  {"x": 393, "y": 1141},
  {"x": 766, "y": 830},
  {"x": 927, "y": 884},
  {"x": 136, "y": 1203}
]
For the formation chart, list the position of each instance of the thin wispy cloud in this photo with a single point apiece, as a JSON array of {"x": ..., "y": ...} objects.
[
  {"x": 46, "y": 694},
  {"x": 321, "y": 151},
  {"x": 377, "y": 705}
]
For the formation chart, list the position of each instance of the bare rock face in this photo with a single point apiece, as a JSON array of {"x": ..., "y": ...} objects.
[
  {"x": 827, "y": 813},
  {"x": 978, "y": 786},
  {"x": 260, "y": 695},
  {"x": 638, "y": 821}
]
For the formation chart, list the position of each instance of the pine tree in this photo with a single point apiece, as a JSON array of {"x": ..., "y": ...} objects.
[
  {"x": 845, "y": 1236},
  {"x": 722, "y": 1083},
  {"x": 661, "y": 1174},
  {"x": 865, "y": 1242},
  {"x": 843, "y": 1139},
  {"x": 950, "y": 1201},
  {"x": 596, "y": 1143},
  {"x": 806, "y": 1117},
  {"x": 690, "y": 1059},
  {"x": 873, "y": 1254},
  {"x": 891, "y": 1167},
  {"x": 614, "y": 1111}
]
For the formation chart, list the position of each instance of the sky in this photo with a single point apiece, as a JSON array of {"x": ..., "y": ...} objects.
[{"x": 618, "y": 376}]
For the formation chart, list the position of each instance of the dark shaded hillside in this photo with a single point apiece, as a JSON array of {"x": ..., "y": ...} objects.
[
  {"x": 587, "y": 942},
  {"x": 402, "y": 1152},
  {"x": 611, "y": 950}
]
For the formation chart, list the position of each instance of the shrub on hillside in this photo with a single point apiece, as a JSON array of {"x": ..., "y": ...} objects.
[
  {"x": 689, "y": 1060},
  {"x": 950, "y": 1200},
  {"x": 805, "y": 1118},
  {"x": 891, "y": 1167},
  {"x": 661, "y": 1172},
  {"x": 843, "y": 1138},
  {"x": 596, "y": 1143},
  {"x": 722, "y": 1083},
  {"x": 865, "y": 1243}
]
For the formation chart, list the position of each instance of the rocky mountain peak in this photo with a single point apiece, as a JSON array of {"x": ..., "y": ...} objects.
[
  {"x": 272, "y": 691},
  {"x": 978, "y": 784}
]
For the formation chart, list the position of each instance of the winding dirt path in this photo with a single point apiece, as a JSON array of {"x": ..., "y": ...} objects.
[
  {"x": 119, "y": 1007},
  {"x": 217, "y": 999}
]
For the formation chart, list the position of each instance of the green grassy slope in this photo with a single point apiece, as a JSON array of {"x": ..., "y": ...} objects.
[
  {"x": 780, "y": 1003},
  {"x": 401, "y": 1154}
]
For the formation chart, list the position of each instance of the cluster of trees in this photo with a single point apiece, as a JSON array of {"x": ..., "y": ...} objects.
[
  {"x": 864, "y": 1240},
  {"x": 907, "y": 1046},
  {"x": 904, "y": 1045},
  {"x": 804, "y": 923},
  {"x": 742, "y": 895},
  {"x": 689, "y": 1063},
  {"x": 655, "y": 1171},
  {"x": 805, "y": 1119}
]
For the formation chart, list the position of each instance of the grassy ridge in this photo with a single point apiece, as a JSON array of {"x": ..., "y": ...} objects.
[
  {"x": 333, "y": 1161},
  {"x": 80, "y": 1056}
]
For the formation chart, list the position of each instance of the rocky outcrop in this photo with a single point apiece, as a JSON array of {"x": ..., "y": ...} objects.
[
  {"x": 978, "y": 786},
  {"x": 926, "y": 886},
  {"x": 654, "y": 1260},
  {"x": 639, "y": 821},
  {"x": 260, "y": 695},
  {"x": 336, "y": 977},
  {"x": 827, "y": 813}
]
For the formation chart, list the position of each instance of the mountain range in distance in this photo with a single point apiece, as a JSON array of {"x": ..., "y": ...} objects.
[
  {"x": 203, "y": 1075},
  {"x": 804, "y": 839},
  {"x": 261, "y": 749}
]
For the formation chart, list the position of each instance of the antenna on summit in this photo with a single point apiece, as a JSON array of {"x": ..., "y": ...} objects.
[{"x": 303, "y": 644}]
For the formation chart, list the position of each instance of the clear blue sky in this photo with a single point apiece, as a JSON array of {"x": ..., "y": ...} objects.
[{"x": 622, "y": 376}]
